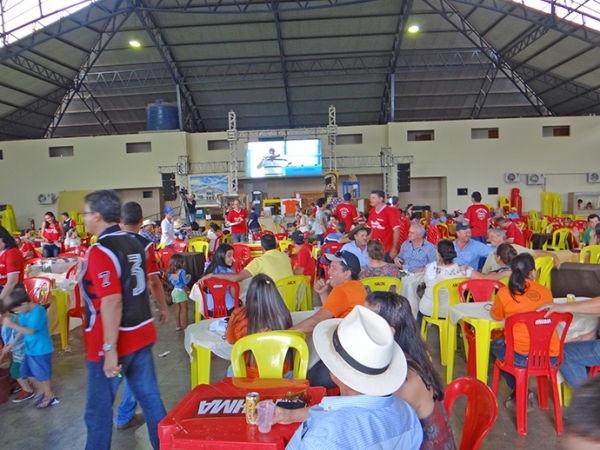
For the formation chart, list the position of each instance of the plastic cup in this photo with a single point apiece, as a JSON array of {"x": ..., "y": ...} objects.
[{"x": 265, "y": 409}]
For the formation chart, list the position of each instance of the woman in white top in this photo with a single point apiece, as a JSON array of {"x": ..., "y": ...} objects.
[
  {"x": 73, "y": 239},
  {"x": 444, "y": 269},
  {"x": 302, "y": 220},
  {"x": 212, "y": 233}
]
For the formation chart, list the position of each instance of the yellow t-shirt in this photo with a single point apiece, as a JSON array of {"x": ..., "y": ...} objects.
[
  {"x": 344, "y": 297},
  {"x": 273, "y": 263}
]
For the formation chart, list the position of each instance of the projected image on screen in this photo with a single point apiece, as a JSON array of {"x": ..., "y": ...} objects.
[{"x": 283, "y": 158}]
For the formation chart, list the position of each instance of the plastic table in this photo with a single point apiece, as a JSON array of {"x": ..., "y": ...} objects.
[{"x": 212, "y": 416}]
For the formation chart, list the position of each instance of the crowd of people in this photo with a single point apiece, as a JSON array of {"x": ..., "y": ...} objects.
[{"x": 369, "y": 344}]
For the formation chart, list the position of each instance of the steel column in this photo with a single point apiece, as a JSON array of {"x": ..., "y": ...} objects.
[
  {"x": 232, "y": 137},
  {"x": 484, "y": 90}
]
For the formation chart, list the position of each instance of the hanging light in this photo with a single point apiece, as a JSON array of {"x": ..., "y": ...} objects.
[
  {"x": 413, "y": 28},
  {"x": 135, "y": 43}
]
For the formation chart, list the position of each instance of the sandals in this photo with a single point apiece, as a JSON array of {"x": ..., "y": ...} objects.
[{"x": 47, "y": 402}]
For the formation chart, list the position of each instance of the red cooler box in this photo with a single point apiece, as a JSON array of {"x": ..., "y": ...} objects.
[{"x": 212, "y": 417}]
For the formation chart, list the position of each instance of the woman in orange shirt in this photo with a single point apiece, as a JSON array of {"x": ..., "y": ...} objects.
[
  {"x": 264, "y": 311},
  {"x": 521, "y": 295}
]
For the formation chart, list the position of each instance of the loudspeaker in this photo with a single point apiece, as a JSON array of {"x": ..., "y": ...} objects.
[
  {"x": 403, "y": 177},
  {"x": 168, "y": 184}
]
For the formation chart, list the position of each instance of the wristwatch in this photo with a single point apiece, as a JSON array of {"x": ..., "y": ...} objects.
[{"x": 108, "y": 347}]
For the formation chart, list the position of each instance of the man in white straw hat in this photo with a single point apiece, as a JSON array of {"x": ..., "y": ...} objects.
[{"x": 368, "y": 366}]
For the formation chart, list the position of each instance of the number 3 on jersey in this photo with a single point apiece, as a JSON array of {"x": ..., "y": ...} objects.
[{"x": 138, "y": 273}]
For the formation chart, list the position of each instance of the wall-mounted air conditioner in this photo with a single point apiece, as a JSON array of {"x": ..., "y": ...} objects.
[
  {"x": 512, "y": 177},
  {"x": 536, "y": 178}
]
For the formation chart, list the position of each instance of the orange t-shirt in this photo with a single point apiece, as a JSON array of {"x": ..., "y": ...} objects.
[
  {"x": 237, "y": 328},
  {"x": 505, "y": 306},
  {"x": 344, "y": 297}
]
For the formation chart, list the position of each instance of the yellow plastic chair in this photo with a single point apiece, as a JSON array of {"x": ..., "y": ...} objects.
[
  {"x": 543, "y": 224},
  {"x": 198, "y": 238},
  {"x": 594, "y": 252},
  {"x": 533, "y": 214},
  {"x": 263, "y": 227},
  {"x": 226, "y": 239},
  {"x": 270, "y": 350},
  {"x": 284, "y": 244},
  {"x": 199, "y": 247},
  {"x": 535, "y": 225},
  {"x": 295, "y": 292},
  {"x": 442, "y": 323},
  {"x": 560, "y": 239},
  {"x": 93, "y": 239},
  {"x": 382, "y": 283},
  {"x": 543, "y": 268}
]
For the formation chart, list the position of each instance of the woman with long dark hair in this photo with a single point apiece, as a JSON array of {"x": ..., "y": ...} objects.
[
  {"x": 423, "y": 387},
  {"x": 51, "y": 234},
  {"x": 504, "y": 255},
  {"x": 521, "y": 295},
  {"x": 12, "y": 265},
  {"x": 221, "y": 262},
  {"x": 264, "y": 311}
]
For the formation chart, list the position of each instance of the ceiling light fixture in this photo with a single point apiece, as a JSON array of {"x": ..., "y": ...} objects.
[
  {"x": 413, "y": 28},
  {"x": 135, "y": 43}
]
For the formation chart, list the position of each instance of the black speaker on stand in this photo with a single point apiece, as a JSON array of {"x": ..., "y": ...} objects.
[
  {"x": 168, "y": 185},
  {"x": 403, "y": 177}
]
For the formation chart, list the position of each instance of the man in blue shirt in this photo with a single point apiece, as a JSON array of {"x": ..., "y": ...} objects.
[
  {"x": 416, "y": 252},
  {"x": 469, "y": 252},
  {"x": 358, "y": 243},
  {"x": 360, "y": 350}
]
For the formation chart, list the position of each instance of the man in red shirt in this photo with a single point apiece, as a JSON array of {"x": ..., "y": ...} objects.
[
  {"x": 346, "y": 212},
  {"x": 119, "y": 327},
  {"x": 304, "y": 263},
  {"x": 236, "y": 218},
  {"x": 384, "y": 225},
  {"x": 513, "y": 232},
  {"x": 477, "y": 217}
]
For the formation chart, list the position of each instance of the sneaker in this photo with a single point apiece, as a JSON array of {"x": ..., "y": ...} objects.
[
  {"x": 511, "y": 403},
  {"x": 135, "y": 421},
  {"x": 23, "y": 395},
  {"x": 16, "y": 389}
]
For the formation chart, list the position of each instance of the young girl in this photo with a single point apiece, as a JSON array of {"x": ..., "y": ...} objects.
[
  {"x": 73, "y": 239},
  {"x": 221, "y": 262},
  {"x": 521, "y": 295},
  {"x": 264, "y": 311},
  {"x": 179, "y": 279},
  {"x": 423, "y": 387}
]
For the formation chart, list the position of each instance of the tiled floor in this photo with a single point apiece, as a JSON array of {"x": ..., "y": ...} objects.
[{"x": 61, "y": 427}]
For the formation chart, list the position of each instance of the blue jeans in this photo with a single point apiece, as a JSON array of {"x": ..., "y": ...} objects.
[
  {"x": 498, "y": 350},
  {"x": 238, "y": 237},
  {"x": 50, "y": 250},
  {"x": 577, "y": 357},
  {"x": 127, "y": 407},
  {"x": 138, "y": 369}
]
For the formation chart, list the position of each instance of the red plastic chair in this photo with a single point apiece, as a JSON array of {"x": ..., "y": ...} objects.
[
  {"x": 281, "y": 236},
  {"x": 85, "y": 242},
  {"x": 77, "y": 310},
  {"x": 256, "y": 236},
  {"x": 444, "y": 232},
  {"x": 475, "y": 291},
  {"x": 330, "y": 247},
  {"x": 241, "y": 256},
  {"x": 164, "y": 257},
  {"x": 180, "y": 246},
  {"x": 481, "y": 411},
  {"x": 527, "y": 234},
  {"x": 521, "y": 222},
  {"x": 38, "y": 289},
  {"x": 217, "y": 243},
  {"x": 540, "y": 331},
  {"x": 433, "y": 234},
  {"x": 403, "y": 234},
  {"x": 79, "y": 251},
  {"x": 581, "y": 225},
  {"x": 218, "y": 289},
  {"x": 268, "y": 232}
]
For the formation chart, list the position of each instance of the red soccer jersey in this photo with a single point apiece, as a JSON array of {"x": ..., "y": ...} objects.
[
  {"x": 51, "y": 233},
  {"x": 11, "y": 261},
  {"x": 346, "y": 213},
  {"x": 513, "y": 232},
  {"x": 382, "y": 224},
  {"x": 101, "y": 278},
  {"x": 478, "y": 216},
  {"x": 237, "y": 221},
  {"x": 26, "y": 247},
  {"x": 305, "y": 259}
]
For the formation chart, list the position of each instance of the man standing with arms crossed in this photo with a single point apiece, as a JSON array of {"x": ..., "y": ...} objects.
[{"x": 118, "y": 322}]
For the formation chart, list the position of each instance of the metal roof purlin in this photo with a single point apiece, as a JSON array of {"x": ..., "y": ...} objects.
[
  {"x": 194, "y": 120},
  {"x": 484, "y": 90},
  {"x": 112, "y": 28},
  {"x": 33, "y": 108},
  {"x": 284, "y": 73},
  {"x": 387, "y": 101},
  {"x": 456, "y": 19}
]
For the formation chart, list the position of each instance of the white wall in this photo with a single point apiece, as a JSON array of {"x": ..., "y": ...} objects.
[{"x": 101, "y": 162}]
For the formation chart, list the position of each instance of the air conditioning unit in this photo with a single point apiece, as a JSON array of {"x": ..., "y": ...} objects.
[
  {"x": 512, "y": 177},
  {"x": 593, "y": 177},
  {"x": 46, "y": 199},
  {"x": 536, "y": 178}
]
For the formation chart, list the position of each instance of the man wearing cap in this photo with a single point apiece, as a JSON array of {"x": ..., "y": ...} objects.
[
  {"x": 358, "y": 243},
  {"x": 416, "y": 252},
  {"x": 478, "y": 217},
  {"x": 147, "y": 231},
  {"x": 167, "y": 236},
  {"x": 383, "y": 221},
  {"x": 368, "y": 366},
  {"x": 469, "y": 251},
  {"x": 304, "y": 263},
  {"x": 346, "y": 212},
  {"x": 67, "y": 222}
]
